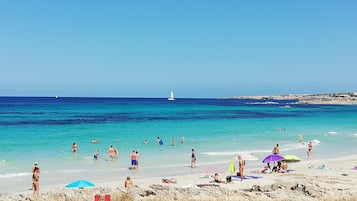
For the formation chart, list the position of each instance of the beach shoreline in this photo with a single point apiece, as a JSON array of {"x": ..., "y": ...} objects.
[{"x": 305, "y": 181}]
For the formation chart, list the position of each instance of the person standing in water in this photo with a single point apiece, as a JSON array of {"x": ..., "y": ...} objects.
[
  {"x": 172, "y": 141},
  {"x": 301, "y": 140},
  {"x": 276, "y": 149},
  {"x": 96, "y": 155},
  {"x": 309, "y": 149},
  {"x": 133, "y": 157},
  {"x": 182, "y": 140},
  {"x": 74, "y": 147},
  {"x": 193, "y": 158}
]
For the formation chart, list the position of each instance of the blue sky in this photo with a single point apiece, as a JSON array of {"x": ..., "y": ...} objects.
[{"x": 198, "y": 48}]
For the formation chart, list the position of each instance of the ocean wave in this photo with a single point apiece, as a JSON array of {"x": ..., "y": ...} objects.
[
  {"x": 246, "y": 155},
  {"x": 315, "y": 142},
  {"x": 11, "y": 175},
  {"x": 332, "y": 132},
  {"x": 73, "y": 171}
]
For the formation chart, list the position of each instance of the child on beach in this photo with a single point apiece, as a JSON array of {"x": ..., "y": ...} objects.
[{"x": 128, "y": 182}]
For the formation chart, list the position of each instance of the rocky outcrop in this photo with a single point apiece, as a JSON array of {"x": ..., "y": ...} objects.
[{"x": 331, "y": 98}]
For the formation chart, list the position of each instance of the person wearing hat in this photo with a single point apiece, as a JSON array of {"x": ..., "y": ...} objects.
[
  {"x": 35, "y": 180},
  {"x": 35, "y": 168}
]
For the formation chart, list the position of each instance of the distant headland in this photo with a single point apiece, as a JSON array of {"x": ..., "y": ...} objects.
[{"x": 349, "y": 98}]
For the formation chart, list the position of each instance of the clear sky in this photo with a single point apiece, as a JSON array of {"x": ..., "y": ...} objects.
[{"x": 198, "y": 48}]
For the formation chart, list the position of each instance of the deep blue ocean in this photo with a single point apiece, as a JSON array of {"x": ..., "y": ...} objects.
[{"x": 43, "y": 129}]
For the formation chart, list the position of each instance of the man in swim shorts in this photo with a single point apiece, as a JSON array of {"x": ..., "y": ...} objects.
[{"x": 133, "y": 157}]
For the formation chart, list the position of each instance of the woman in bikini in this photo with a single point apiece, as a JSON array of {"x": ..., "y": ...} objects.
[
  {"x": 193, "y": 158},
  {"x": 241, "y": 167},
  {"x": 35, "y": 181}
]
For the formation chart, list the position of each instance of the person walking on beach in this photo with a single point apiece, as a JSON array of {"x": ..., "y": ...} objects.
[
  {"x": 276, "y": 149},
  {"x": 193, "y": 158},
  {"x": 309, "y": 149},
  {"x": 241, "y": 166}
]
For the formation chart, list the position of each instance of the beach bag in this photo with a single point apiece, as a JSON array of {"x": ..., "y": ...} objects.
[
  {"x": 238, "y": 173},
  {"x": 228, "y": 178}
]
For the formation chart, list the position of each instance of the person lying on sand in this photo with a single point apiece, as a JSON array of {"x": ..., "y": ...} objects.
[
  {"x": 266, "y": 169},
  {"x": 169, "y": 181},
  {"x": 219, "y": 180}
]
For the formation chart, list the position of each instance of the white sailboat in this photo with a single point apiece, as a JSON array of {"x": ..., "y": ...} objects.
[{"x": 171, "y": 97}]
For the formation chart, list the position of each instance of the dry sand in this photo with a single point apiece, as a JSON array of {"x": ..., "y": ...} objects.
[{"x": 305, "y": 181}]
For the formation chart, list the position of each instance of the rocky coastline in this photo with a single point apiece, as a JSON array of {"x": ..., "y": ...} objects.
[{"x": 349, "y": 98}]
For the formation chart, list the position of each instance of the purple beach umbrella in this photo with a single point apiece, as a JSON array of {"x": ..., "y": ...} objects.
[{"x": 272, "y": 158}]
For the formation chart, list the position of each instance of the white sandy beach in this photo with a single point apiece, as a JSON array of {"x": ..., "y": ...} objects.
[{"x": 305, "y": 181}]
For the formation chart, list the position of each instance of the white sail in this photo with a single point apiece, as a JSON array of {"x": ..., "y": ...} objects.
[{"x": 171, "y": 97}]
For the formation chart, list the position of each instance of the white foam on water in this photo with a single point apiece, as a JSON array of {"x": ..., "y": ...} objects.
[
  {"x": 11, "y": 175},
  {"x": 315, "y": 142}
]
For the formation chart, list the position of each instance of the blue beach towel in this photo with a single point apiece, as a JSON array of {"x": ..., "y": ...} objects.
[
  {"x": 238, "y": 177},
  {"x": 323, "y": 167}
]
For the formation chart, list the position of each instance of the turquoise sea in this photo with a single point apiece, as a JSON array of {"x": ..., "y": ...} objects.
[{"x": 43, "y": 129}]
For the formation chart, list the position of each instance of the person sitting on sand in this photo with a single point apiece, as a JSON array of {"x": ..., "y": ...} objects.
[
  {"x": 218, "y": 180},
  {"x": 276, "y": 167},
  {"x": 128, "y": 182},
  {"x": 283, "y": 167},
  {"x": 169, "y": 181}
]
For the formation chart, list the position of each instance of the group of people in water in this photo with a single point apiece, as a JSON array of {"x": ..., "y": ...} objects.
[
  {"x": 113, "y": 152},
  {"x": 161, "y": 142}
]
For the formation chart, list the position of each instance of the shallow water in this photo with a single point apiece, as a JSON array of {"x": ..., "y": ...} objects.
[{"x": 43, "y": 130}]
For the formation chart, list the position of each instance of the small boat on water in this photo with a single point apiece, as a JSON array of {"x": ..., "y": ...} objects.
[{"x": 171, "y": 97}]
